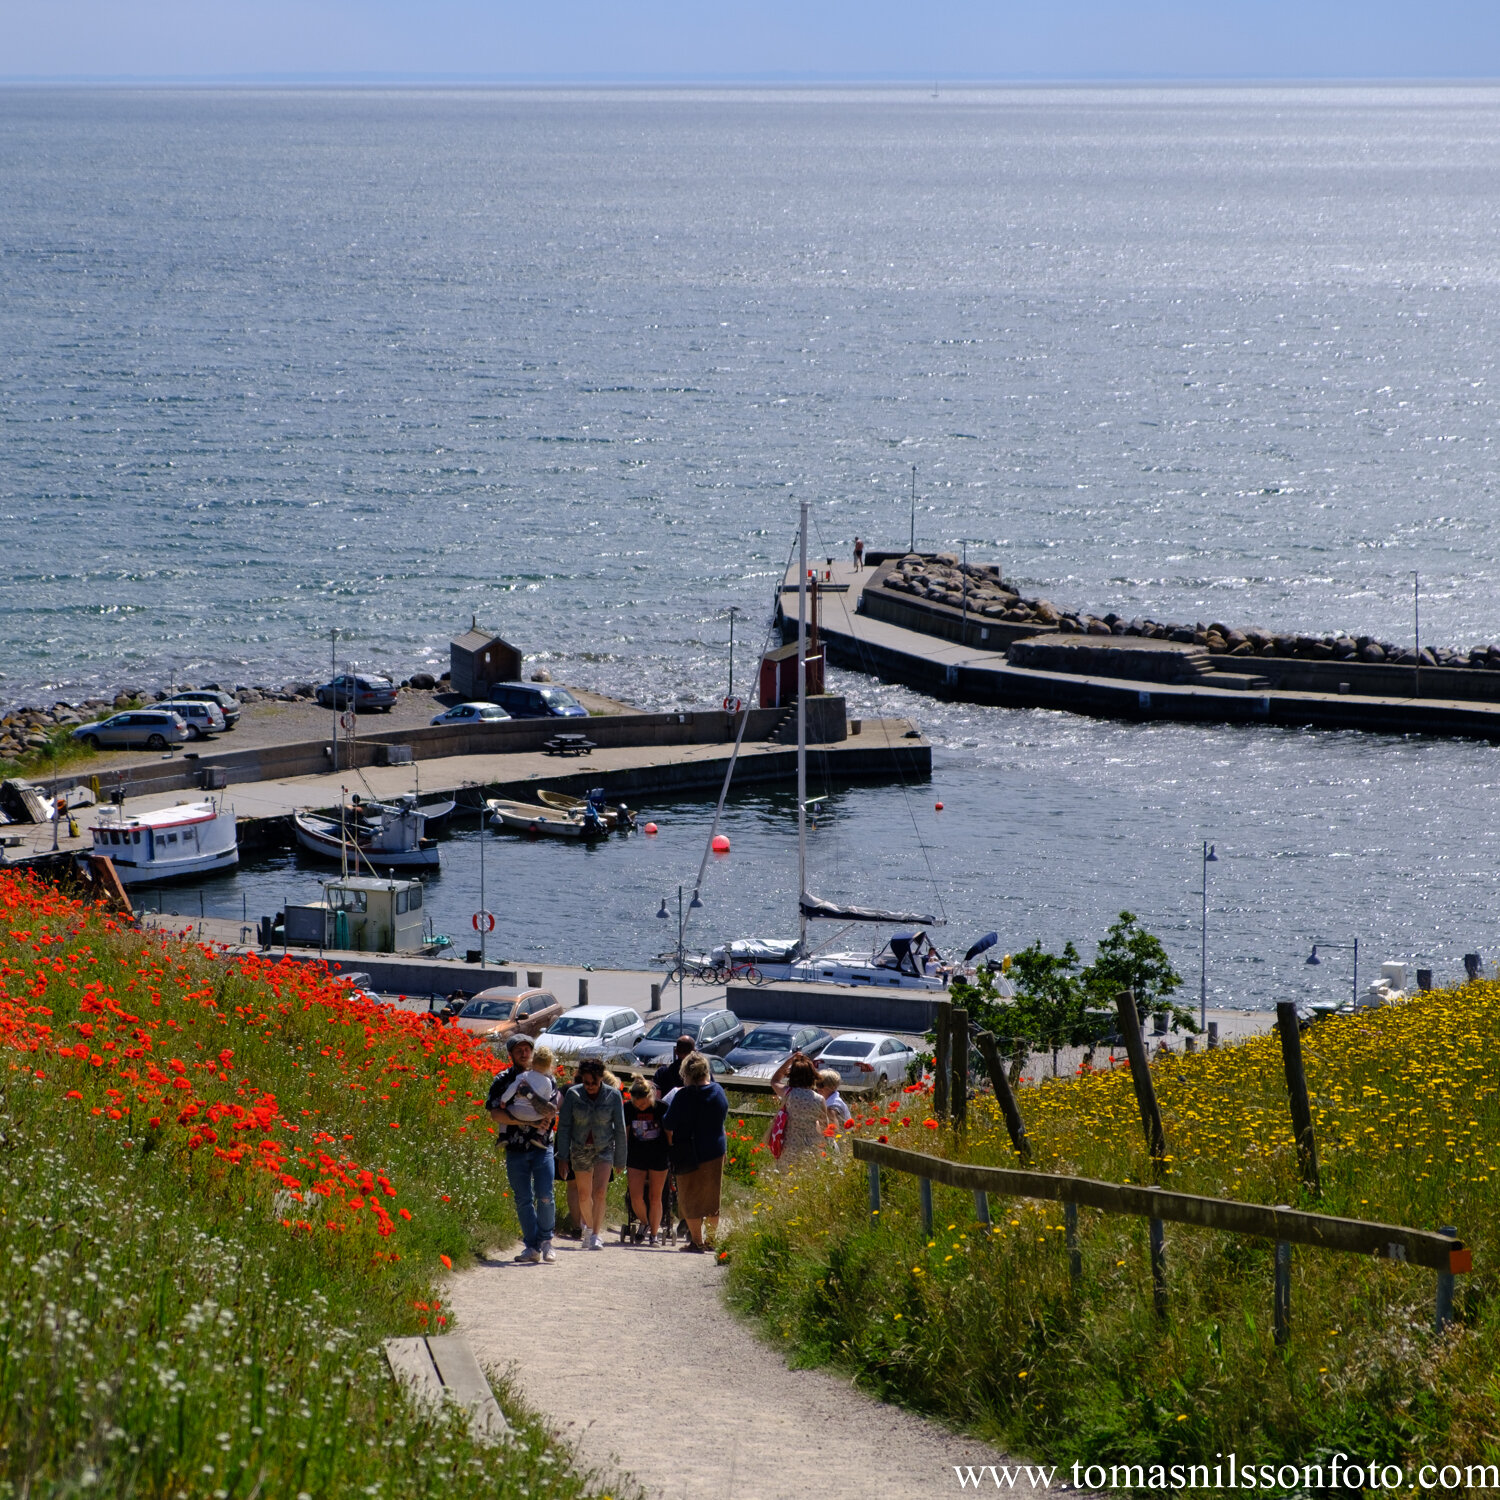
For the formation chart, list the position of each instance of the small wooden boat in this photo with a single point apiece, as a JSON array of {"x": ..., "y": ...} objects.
[
  {"x": 616, "y": 818},
  {"x": 540, "y": 821},
  {"x": 371, "y": 834}
]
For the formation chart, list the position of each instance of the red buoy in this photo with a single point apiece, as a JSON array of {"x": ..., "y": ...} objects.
[
  {"x": 721, "y": 844},
  {"x": 649, "y": 828},
  {"x": 938, "y": 806}
]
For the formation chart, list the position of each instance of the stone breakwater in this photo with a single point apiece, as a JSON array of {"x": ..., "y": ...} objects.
[{"x": 941, "y": 579}]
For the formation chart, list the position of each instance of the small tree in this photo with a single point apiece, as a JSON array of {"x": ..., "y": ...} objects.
[
  {"x": 1130, "y": 958},
  {"x": 1046, "y": 1011}
]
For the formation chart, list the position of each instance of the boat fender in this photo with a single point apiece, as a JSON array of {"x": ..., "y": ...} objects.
[{"x": 649, "y": 828}]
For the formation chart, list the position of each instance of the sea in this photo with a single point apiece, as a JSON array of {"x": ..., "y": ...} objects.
[{"x": 275, "y": 363}]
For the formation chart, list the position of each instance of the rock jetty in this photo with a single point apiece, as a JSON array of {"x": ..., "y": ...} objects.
[{"x": 941, "y": 579}]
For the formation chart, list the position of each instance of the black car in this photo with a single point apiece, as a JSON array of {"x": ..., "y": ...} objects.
[
  {"x": 530, "y": 700},
  {"x": 364, "y": 690},
  {"x": 714, "y": 1032},
  {"x": 775, "y": 1041}
]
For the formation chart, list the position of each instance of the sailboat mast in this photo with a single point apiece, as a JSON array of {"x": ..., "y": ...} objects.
[{"x": 802, "y": 725}]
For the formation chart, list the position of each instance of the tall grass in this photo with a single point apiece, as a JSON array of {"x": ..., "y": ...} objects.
[
  {"x": 984, "y": 1329},
  {"x": 222, "y": 1183}
]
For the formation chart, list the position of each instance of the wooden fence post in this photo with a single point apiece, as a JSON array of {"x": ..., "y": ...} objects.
[
  {"x": 1296, "y": 1087},
  {"x": 982, "y": 1206},
  {"x": 1140, "y": 1073},
  {"x": 874, "y": 1189},
  {"x": 1005, "y": 1096},
  {"x": 1075, "y": 1255},
  {"x": 925, "y": 1188},
  {"x": 940, "y": 1062},
  {"x": 1159, "y": 1267},
  {"x": 1282, "y": 1310},
  {"x": 1444, "y": 1310},
  {"x": 958, "y": 1054}
]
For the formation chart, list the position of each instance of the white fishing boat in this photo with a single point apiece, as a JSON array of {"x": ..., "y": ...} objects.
[
  {"x": 373, "y": 835},
  {"x": 907, "y": 961},
  {"x": 193, "y": 838},
  {"x": 537, "y": 821}
]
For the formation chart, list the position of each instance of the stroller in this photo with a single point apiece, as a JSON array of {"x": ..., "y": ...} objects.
[{"x": 634, "y": 1232}]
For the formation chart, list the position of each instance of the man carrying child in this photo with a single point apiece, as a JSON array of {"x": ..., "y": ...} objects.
[{"x": 523, "y": 1100}]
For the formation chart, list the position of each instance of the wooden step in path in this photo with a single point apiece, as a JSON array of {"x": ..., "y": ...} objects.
[{"x": 441, "y": 1368}]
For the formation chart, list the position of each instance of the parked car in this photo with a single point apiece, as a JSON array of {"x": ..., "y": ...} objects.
[
  {"x": 229, "y": 705},
  {"x": 868, "y": 1057},
  {"x": 772, "y": 1042},
  {"x": 364, "y": 691},
  {"x": 534, "y": 700},
  {"x": 472, "y": 713},
  {"x": 714, "y": 1032},
  {"x": 609, "y": 1030},
  {"x": 202, "y": 719},
  {"x": 136, "y": 728},
  {"x": 500, "y": 1012}
]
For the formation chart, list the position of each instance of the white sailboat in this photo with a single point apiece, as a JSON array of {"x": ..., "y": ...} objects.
[{"x": 908, "y": 961}]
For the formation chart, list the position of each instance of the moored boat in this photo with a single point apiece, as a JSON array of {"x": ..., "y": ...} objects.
[
  {"x": 547, "y": 822},
  {"x": 374, "y": 834},
  {"x": 617, "y": 818},
  {"x": 193, "y": 838}
]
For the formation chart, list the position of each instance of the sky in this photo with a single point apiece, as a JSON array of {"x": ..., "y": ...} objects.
[{"x": 745, "y": 40}]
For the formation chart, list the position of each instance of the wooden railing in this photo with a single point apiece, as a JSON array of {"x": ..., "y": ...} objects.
[{"x": 1440, "y": 1251}]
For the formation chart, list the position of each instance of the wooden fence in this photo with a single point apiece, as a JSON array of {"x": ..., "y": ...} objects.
[{"x": 1440, "y": 1251}]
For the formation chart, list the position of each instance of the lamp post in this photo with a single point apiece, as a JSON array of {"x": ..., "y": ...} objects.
[
  {"x": 734, "y": 611},
  {"x": 1312, "y": 958},
  {"x": 1416, "y": 629},
  {"x": 913, "y": 546},
  {"x": 1209, "y": 858},
  {"x": 663, "y": 914}
]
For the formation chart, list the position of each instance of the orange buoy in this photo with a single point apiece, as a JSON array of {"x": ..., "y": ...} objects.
[
  {"x": 938, "y": 806},
  {"x": 721, "y": 844},
  {"x": 649, "y": 828}
]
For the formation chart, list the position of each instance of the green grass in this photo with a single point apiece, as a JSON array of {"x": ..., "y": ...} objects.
[
  {"x": 984, "y": 1330},
  {"x": 62, "y": 753},
  {"x": 222, "y": 1185}
]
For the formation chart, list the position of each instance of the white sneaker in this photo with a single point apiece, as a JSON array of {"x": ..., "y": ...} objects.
[
  {"x": 595, "y": 1243},
  {"x": 529, "y": 1258},
  {"x": 549, "y": 1258}
]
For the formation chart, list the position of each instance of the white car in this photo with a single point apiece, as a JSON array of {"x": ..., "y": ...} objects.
[
  {"x": 868, "y": 1057},
  {"x": 608, "y": 1030},
  {"x": 472, "y": 713},
  {"x": 202, "y": 719}
]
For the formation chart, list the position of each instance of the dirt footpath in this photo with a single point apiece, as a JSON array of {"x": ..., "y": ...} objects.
[{"x": 631, "y": 1356}]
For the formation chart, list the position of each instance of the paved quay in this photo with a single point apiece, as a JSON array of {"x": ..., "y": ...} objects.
[
  {"x": 874, "y": 748},
  {"x": 951, "y": 669}
]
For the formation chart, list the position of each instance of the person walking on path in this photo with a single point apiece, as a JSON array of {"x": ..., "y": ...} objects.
[
  {"x": 694, "y": 1123},
  {"x": 590, "y": 1140},
  {"x": 646, "y": 1158},
  {"x": 807, "y": 1116},
  {"x": 528, "y": 1158},
  {"x": 669, "y": 1075},
  {"x": 859, "y": 554}
]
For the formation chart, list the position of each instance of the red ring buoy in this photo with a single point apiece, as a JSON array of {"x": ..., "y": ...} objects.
[
  {"x": 733, "y": 705},
  {"x": 486, "y": 918},
  {"x": 721, "y": 844},
  {"x": 649, "y": 828}
]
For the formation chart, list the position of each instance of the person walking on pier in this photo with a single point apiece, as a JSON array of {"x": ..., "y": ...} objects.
[
  {"x": 528, "y": 1157},
  {"x": 859, "y": 554}
]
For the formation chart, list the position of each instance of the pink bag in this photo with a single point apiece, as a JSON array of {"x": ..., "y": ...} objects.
[{"x": 776, "y": 1139}]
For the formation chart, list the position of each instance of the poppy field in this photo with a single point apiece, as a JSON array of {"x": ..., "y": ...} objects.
[
  {"x": 984, "y": 1328},
  {"x": 223, "y": 1181}
]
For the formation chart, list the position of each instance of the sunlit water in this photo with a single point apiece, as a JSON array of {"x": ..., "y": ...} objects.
[{"x": 277, "y": 362}]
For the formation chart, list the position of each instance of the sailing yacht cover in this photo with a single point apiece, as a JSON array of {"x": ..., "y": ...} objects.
[{"x": 814, "y": 908}]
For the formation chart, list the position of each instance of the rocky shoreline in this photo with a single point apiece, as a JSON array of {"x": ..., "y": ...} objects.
[{"x": 940, "y": 578}]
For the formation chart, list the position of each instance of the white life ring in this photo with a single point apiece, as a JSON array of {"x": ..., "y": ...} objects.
[{"x": 484, "y": 921}]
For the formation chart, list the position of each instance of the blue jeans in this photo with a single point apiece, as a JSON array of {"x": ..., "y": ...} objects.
[{"x": 531, "y": 1176}]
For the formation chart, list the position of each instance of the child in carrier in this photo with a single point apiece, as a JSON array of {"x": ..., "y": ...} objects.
[{"x": 534, "y": 1092}]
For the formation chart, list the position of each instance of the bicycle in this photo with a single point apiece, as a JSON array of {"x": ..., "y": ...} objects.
[{"x": 748, "y": 972}]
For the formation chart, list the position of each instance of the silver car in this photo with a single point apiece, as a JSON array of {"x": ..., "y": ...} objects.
[
  {"x": 136, "y": 728},
  {"x": 202, "y": 719},
  {"x": 472, "y": 713},
  {"x": 868, "y": 1057},
  {"x": 609, "y": 1030}
]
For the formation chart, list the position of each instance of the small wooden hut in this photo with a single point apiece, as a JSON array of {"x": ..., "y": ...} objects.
[{"x": 477, "y": 660}]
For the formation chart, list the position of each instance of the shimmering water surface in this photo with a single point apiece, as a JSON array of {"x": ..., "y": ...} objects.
[{"x": 277, "y": 362}]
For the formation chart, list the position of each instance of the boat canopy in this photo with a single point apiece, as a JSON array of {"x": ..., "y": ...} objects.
[
  {"x": 814, "y": 907},
  {"x": 757, "y": 951}
]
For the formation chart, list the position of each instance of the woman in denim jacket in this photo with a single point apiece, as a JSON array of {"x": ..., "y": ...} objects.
[{"x": 591, "y": 1138}]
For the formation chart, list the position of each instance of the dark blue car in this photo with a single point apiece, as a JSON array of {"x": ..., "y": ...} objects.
[{"x": 537, "y": 700}]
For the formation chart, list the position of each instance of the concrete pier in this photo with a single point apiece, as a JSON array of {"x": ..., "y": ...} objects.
[{"x": 986, "y": 673}]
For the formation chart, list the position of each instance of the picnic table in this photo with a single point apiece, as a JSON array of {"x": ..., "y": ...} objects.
[{"x": 569, "y": 744}]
